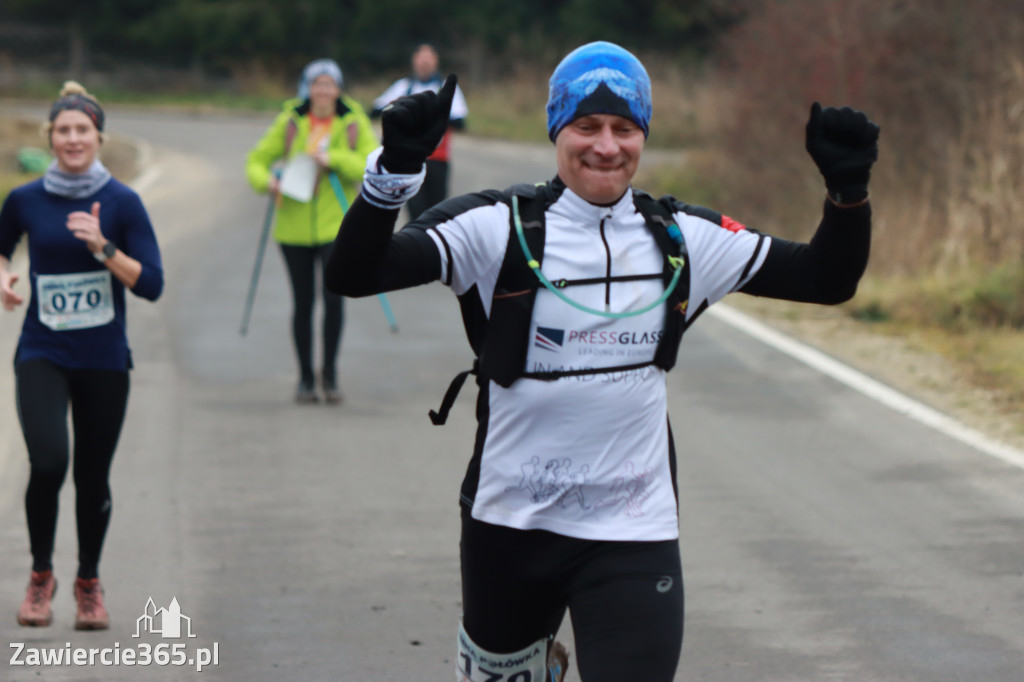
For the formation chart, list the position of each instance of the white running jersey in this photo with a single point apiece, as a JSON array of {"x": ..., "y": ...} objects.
[
  {"x": 413, "y": 86},
  {"x": 587, "y": 456}
]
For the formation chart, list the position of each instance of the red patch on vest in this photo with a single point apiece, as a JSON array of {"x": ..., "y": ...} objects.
[{"x": 731, "y": 225}]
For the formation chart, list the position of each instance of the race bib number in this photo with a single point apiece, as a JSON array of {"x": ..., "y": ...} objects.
[{"x": 75, "y": 301}]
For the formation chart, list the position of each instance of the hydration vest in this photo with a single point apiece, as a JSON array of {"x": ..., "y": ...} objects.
[{"x": 500, "y": 341}]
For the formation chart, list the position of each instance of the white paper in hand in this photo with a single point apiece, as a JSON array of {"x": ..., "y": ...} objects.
[{"x": 299, "y": 178}]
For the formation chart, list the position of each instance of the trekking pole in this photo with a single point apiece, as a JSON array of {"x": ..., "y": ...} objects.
[
  {"x": 258, "y": 265},
  {"x": 382, "y": 298},
  {"x": 386, "y": 307}
]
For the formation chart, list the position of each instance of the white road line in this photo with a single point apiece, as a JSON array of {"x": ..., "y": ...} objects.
[{"x": 868, "y": 386}]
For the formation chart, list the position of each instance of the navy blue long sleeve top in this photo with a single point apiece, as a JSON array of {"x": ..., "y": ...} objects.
[{"x": 67, "y": 317}]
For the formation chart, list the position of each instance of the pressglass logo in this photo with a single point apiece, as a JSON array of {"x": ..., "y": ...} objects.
[
  {"x": 553, "y": 339},
  {"x": 615, "y": 338},
  {"x": 169, "y": 623},
  {"x": 549, "y": 338}
]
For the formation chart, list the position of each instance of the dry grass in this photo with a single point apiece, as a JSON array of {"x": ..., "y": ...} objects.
[
  {"x": 974, "y": 318},
  {"x": 15, "y": 134},
  {"x": 510, "y": 110},
  {"x": 946, "y": 281}
]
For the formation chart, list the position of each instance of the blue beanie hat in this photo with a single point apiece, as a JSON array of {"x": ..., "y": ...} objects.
[
  {"x": 314, "y": 70},
  {"x": 599, "y": 78}
]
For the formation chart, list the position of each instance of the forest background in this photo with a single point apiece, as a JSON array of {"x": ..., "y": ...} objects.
[{"x": 733, "y": 81}]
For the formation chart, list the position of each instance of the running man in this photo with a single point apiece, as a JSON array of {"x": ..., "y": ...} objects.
[{"x": 589, "y": 264}]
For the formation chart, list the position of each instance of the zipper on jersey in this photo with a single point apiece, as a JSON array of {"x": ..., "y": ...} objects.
[{"x": 608, "y": 269}]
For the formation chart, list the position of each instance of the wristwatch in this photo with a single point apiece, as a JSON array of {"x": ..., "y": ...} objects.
[{"x": 108, "y": 250}]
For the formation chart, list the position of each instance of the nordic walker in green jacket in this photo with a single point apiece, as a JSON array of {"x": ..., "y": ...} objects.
[{"x": 312, "y": 159}]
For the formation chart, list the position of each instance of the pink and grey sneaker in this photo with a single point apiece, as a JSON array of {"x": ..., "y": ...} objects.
[
  {"x": 35, "y": 611},
  {"x": 92, "y": 614},
  {"x": 332, "y": 396},
  {"x": 305, "y": 394}
]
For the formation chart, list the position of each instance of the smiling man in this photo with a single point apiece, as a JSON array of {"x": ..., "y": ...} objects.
[{"x": 575, "y": 294}]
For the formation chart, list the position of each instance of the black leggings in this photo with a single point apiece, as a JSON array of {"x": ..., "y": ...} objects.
[
  {"x": 625, "y": 598},
  {"x": 302, "y": 262},
  {"x": 98, "y": 400}
]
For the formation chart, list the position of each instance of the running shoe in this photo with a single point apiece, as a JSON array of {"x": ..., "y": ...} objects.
[
  {"x": 92, "y": 614},
  {"x": 332, "y": 395},
  {"x": 305, "y": 394},
  {"x": 35, "y": 611}
]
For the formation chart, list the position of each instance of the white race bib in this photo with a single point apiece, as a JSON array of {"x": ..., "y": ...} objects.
[{"x": 75, "y": 301}]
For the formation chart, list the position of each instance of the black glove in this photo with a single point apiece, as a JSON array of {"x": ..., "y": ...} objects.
[
  {"x": 844, "y": 145},
  {"x": 413, "y": 126}
]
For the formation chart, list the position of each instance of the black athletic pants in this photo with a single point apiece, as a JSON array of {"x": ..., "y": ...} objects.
[
  {"x": 302, "y": 263},
  {"x": 433, "y": 191},
  {"x": 98, "y": 399},
  {"x": 625, "y": 598}
]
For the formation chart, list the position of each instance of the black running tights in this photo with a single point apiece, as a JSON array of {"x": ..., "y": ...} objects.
[
  {"x": 98, "y": 399},
  {"x": 302, "y": 262},
  {"x": 625, "y": 598}
]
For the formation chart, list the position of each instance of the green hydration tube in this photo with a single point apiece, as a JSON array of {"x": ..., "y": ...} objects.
[{"x": 675, "y": 261}]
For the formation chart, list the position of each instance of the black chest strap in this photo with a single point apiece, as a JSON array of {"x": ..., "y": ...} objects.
[
  {"x": 659, "y": 218},
  {"x": 511, "y": 305},
  {"x": 504, "y": 346},
  {"x": 439, "y": 416}
]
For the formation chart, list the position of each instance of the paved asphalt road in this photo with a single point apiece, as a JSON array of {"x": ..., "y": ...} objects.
[{"x": 824, "y": 537}]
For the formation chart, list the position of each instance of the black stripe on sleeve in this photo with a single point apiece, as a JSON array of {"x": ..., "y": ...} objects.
[
  {"x": 447, "y": 255},
  {"x": 753, "y": 259},
  {"x": 825, "y": 270}
]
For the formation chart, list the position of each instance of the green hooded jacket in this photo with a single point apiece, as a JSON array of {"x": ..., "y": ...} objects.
[{"x": 316, "y": 222}]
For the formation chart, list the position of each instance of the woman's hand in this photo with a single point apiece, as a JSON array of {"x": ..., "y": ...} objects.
[
  {"x": 86, "y": 226},
  {"x": 8, "y": 298}
]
